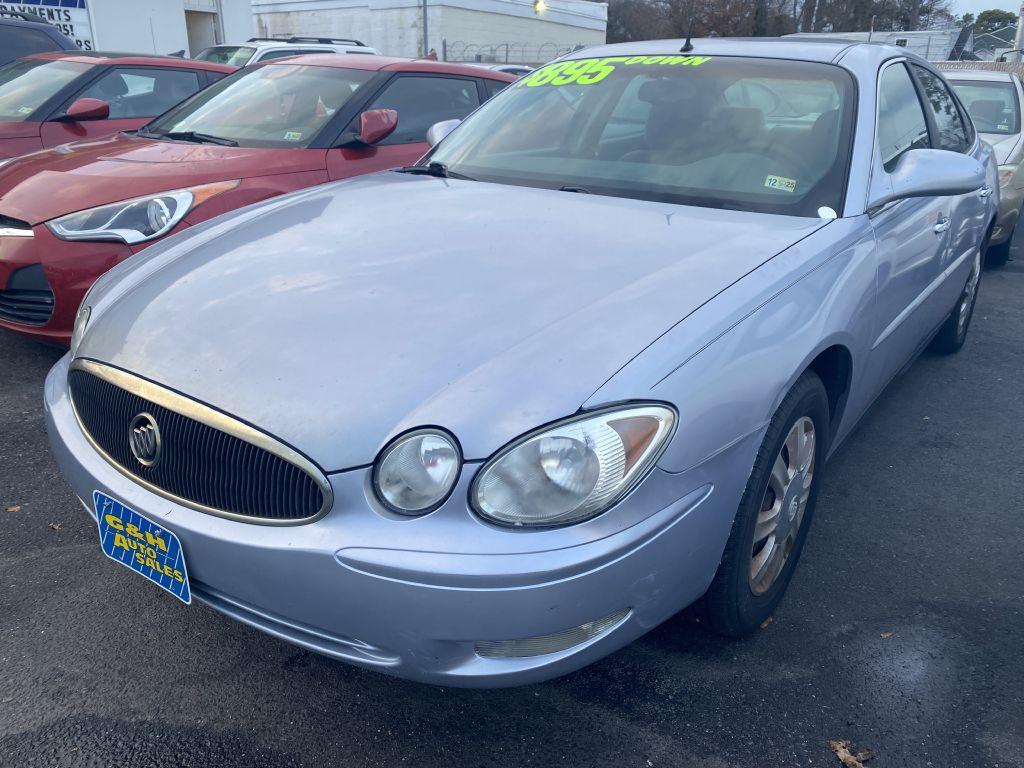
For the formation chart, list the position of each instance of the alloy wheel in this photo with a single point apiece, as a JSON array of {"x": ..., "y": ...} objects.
[{"x": 783, "y": 506}]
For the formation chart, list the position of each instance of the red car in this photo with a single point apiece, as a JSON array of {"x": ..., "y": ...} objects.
[
  {"x": 48, "y": 99},
  {"x": 69, "y": 214}
]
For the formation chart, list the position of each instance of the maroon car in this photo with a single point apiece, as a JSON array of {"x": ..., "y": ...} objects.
[
  {"x": 69, "y": 214},
  {"x": 48, "y": 99}
]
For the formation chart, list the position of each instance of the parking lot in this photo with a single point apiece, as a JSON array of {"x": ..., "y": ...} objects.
[{"x": 901, "y": 631}]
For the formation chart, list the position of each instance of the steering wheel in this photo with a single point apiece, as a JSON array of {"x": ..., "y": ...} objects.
[{"x": 800, "y": 162}]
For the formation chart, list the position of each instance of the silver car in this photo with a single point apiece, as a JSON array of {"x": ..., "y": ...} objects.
[
  {"x": 993, "y": 100},
  {"x": 486, "y": 419}
]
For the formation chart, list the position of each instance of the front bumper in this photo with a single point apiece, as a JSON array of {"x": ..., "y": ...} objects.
[
  {"x": 1010, "y": 202},
  {"x": 70, "y": 269},
  {"x": 392, "y": 595}
]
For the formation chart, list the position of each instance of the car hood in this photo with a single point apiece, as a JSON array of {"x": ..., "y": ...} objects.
[
  {"x": 72, "y": 177},
  {"x": 337, "y": 317},
  {"x": 1003, "y": 145}
]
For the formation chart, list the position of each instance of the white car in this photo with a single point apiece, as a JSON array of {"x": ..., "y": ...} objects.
[
  {"x": 257, "y": 49},
  {"x": 993, "y": 100}
]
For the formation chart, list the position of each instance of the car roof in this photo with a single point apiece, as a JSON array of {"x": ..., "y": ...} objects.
[
  {"x": 131, "y": 59},
  {"x": 390, "y": 64},
  {"x": 800, "y": 48}
]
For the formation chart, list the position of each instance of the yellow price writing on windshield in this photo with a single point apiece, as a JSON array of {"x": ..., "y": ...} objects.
[{"x": 590, "y": 71}]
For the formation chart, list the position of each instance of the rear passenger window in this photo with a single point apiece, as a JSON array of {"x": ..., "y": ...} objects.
[
  {"x": 950, "y": 126},
  {"x": 422, "y": 101},
  {"x": 901, "y": 121},
  {"x": 495, "y": 86},
  {"x": 142, "y": 92}
]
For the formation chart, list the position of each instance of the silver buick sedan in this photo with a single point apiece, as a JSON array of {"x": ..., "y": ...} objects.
[{"x": 485, "y": 419}]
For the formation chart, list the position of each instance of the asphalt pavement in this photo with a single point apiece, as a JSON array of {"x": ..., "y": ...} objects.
[{"x": 903, "y": 630}]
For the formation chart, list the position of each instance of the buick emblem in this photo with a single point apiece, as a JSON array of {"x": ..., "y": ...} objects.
[{"x": 144, "y": 439}]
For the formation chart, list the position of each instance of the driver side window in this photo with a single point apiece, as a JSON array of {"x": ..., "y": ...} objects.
[{"x": 901, "y": 122}]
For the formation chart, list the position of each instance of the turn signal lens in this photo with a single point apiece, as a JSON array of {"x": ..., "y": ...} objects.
[
  {"x": 574, "y": 470},
  {"x": 415, "y": 474}
]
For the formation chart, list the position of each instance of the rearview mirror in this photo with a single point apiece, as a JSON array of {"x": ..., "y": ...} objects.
[
  {"x": 375, "y": 125},
  {"x": 931, "y": 173},
  {"x": 87, "y": 109},
  {"x": 438, "y": 131}
]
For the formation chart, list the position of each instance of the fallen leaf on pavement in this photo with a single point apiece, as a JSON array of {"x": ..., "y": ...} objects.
[
  {"x": 844, "y": 751},
  {"x": 13, "y": 508},
  {"x": 766, "y": 622},
  {"x": 55, "y": 526},
  {"x": 886, "y": 635}
]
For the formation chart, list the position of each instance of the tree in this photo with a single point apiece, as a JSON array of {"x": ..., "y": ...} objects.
[{"x": 991, "y": 20}]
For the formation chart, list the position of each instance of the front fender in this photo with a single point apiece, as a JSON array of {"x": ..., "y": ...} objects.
[{"x": 728, "y": 365}]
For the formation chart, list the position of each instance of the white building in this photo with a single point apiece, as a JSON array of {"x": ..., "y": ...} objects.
[
  {"x": 459, "y": 30},
  {"x": 145, "y": 26}
]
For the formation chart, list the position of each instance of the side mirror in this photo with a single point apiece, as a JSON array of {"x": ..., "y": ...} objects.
[
  {"x": 375, "y": 125},
  {"x": 931, "y": 173},
  {"x": 86, "y": 109},
  {"x": 438, "y": 131}
]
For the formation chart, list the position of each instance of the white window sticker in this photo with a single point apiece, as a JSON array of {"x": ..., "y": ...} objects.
[
  {"x": 780, "y": 182},
  {"x": 292, "y": 135}
]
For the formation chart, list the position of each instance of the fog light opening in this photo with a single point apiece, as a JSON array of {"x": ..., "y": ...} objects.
[{"x": 556, "y": 642}]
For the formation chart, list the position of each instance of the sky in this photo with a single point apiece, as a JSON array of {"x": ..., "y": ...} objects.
[{"x": 977, "y": 6}]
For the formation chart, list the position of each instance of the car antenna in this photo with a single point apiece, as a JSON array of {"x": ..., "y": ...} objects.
[{"x": 688, "y": 45}]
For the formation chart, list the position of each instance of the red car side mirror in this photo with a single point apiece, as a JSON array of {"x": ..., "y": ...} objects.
[
  {"x": 87, "y": 109},
  {"x": 376, "y": 125}
]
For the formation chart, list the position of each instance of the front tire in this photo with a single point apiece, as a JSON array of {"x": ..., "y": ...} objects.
[
  {"x": 775, "y": 513},
  {"x": 953, "y": 333}
]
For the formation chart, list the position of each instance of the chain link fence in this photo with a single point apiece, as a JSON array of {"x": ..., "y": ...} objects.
[{"x": 505, "y": 53}]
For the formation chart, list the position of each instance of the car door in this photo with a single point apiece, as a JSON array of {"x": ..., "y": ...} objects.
[
  {"x": 135, "y": 94},
  {"x": 912, "y": 236},
  {"x": 420, "y": 100},
  {"x": 969, "y": 214}
]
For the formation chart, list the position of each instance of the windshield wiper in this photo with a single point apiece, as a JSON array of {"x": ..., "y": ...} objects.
[
  {"x": 440, "y": 170},
  {"x": 198, "y": 138},
  {"x": 568, "y": 188}
]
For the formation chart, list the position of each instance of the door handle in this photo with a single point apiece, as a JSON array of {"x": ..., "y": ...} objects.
[
  {"x": 985, "y": 192},
  {"x": 943, "y": 224}
]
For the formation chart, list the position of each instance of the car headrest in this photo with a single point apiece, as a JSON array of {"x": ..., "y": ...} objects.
[
  {"x": 988, "y": 109},
  {"x": 739, "y": 123}
]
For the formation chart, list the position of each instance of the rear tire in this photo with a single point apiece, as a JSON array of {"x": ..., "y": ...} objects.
[
  {"x": 774, "y": 515},
  {"x": 953, "y": 333}
]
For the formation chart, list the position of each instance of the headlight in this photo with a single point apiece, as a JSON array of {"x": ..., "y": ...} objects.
[
  {"x": 574, "y": 470},
  {"x": 81, "y": 321},
  {"x": 1006, "y": 173},
  {"x": 417, "y": 471},
  {"x": 136, "y": 220}
]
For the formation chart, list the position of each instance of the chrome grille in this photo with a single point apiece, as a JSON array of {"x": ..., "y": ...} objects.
[{"x": 207, "y": 460}]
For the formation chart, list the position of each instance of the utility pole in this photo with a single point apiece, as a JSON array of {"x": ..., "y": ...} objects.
[
  {"x": 1018, "y": 41},
  {"x": 426, "y": 48}
]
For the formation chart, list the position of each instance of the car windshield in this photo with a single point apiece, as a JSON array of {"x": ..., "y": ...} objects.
[
  {"x": 26, "y": 84},
  {"x": 278, "y": 105},
  {"x": 747, "y": 134},
  {"x": 992, "y": 105},
  {"x": 234, "y": 55}
]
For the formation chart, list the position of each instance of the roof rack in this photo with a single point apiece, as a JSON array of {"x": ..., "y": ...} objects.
[
  {"x": 23, "y": 15},
  {"x": 323, "y": 40}
]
